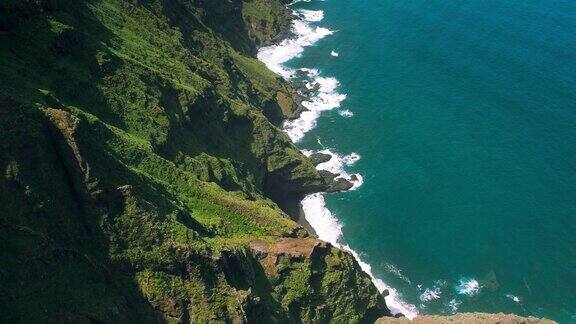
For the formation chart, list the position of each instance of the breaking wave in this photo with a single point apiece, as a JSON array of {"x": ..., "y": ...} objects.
[
  {"x": 323, "y": 94},
  {"x": 468, "y": 286}
]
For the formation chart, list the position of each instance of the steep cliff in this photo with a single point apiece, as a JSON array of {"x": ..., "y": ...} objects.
[
  {"x": 467, "y": 318},
  {"x": 141, "y": 161}
]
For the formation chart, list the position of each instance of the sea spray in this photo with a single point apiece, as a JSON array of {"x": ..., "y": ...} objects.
[
  {"x": 430, "y": 294},
  {"x": 274, "y": 56},
  {"x": 327, "y": 97},
  {"x": 468, "y": 286},
  {"x": 336, "y": 166},
  {"x": 329, "y": 229},
  {"x": 346, "y": 113},
  {"x": 514, "y": 298},
  {"x": 312, "y": 15},
  {"x": 452, "y": 306}
]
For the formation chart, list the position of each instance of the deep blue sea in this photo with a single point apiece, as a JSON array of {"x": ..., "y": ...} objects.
[{"x": 461, "y": 115}]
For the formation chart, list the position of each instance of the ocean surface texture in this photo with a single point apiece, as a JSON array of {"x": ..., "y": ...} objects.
[{"x": 458, "y": 120}]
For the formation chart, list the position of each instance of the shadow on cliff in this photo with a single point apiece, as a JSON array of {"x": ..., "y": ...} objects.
[{"x": 55, "y": 257}]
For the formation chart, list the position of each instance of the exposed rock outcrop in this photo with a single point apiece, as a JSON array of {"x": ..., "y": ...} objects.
[
  {"x": 467, "y": 318},
  {"x": 319, "y": 157},
  {"x": 300, "y": 270}
]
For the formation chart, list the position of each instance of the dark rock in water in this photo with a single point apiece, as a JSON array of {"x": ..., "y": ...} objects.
[
  {"x": 354, "y": 177},
  {"x": 327, "y": 176},
  {"x": 318, "y": 158},
  {"x": 308, "y": 92},
  {"x": 302, "y": 73},
  {"x": 299, "y": 109},
  {"x": 315, "y": 88},
  {"x": 340, "y": 184},
  {"x": 385, "y": 292},
  {"x": 399, "y": 315},
  {"x": 333, "y": 182}
]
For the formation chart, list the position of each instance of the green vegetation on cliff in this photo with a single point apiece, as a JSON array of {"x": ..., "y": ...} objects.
[{"x": 141, "y": 159}]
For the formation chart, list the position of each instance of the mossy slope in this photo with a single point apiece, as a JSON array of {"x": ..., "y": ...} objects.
[{"x": 140, "y": 155}]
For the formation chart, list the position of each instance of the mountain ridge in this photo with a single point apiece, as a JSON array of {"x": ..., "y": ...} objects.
[{"x": 141, "y": 155}]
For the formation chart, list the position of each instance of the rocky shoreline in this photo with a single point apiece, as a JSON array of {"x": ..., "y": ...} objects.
[
  {"x": 304, "y": 91},
  {"x": 301, "y": 93}
]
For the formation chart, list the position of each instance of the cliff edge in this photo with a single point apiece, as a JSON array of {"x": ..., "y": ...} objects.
[
  {"x": 141, "y": 160},
  {"x": 467, "y": 318}
]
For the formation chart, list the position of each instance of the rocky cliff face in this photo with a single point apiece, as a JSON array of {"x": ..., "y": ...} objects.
[
  {"x": 467, "y": 318},
  {"x": 141, "y": 159}
]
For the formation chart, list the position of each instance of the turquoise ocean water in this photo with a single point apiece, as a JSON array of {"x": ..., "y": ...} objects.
[{"x": 463, "y": 114}]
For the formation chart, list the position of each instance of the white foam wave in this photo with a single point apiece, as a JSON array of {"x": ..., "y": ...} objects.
[
  {"x": 336, "y": 165},
  {"x": 311, "y": 73},
  {"x": 274, "y": 56},
  {"x": 334, "y": 53},
  {"x": 514, "y": 298},
  {"x": 430, "y": 294},
  {"x": 311, "y": 15},
  {"x": 327, "y": 98},
  {"x": 346, "y": 113},
  {"x": 329, "y": 229},
  {"x": 393, "y": 300},
  {"x": 433, "y": 293},
  {"x": 468, "y": 286},
  {"x": 453, "y": 305},
  {"x": 397, "y": 272},
  {"x": 319, "y": 217}
]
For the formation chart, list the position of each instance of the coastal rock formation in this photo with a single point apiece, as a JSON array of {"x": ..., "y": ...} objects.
[
  {"x": 334, "y": 182},
  {"x": 340, "y": 184},
  {"x": 319, "y": 157},
  {"x": 301, "y": 270},
  {"x": 467, "y": 318}
]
